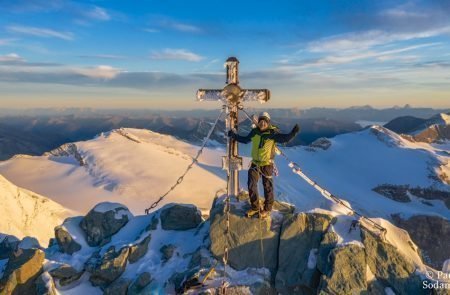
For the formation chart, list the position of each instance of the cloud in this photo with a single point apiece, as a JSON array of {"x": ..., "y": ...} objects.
[
  {"x": 103, "y": 56},
  {"x": 4, "y": 42},
  {"x": 368, "y": 39},
  {"x": 40, "y": 32},
  {"x": 97, "y": 13},
  {"x": 176, "y": 54},
  {"x": 164, "y": 22},
  {"x": 99, "y": 72},
  {"x": 11, "y": 58}
]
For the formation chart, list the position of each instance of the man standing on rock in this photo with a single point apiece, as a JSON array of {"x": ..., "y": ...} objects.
[{"x": 264, "y": 138}]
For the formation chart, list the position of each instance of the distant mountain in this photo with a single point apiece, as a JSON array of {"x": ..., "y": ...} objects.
[
  {"x": 25, "y": 213},
  {"x": 434, "y": 129},
  {"x": 35, "y": 135}
]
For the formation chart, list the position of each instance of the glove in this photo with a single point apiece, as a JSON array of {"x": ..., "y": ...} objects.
[{"x": 296, "y": 129}]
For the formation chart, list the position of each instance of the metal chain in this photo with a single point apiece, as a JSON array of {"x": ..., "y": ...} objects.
[
  {"x": 296, "y": 169},
  {"x": 194, "y": 160}
]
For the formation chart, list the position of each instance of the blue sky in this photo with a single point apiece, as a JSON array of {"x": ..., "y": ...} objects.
[{"x": 155, "y": 54}]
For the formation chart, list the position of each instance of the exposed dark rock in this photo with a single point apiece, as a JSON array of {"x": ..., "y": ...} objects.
[
  {"x": 327, "y": 244},
  {"x": 100, "y": 224},
  {"x": 180, "y": 217},
  {"x": 7, "y": 246},
  {"x": 45, "y": 285},
  {"x": 23, "y": 268},
  {"x": 247, "y": 239},
  {"x": 431, "y": 234},
  {"x": 118, "y": 287},
  {"x": 110, "y": 267},
  {"x": 139, "y": 250},
  {"x": 66, "y": 274},
  {"x": 153, "y": 224},
  {"x": 347, "y": 271},
  {"x": 300, "y": 234},
  {"x": 390, "y": 267},
  {"x": 140, "y": 283},
  {"x": 167, "y": 252},
  {"x": 65, "y": 241},
  {"x": 321, "y": 143}
]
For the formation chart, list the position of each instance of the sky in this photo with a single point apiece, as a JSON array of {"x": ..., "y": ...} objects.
[{"x": 156, "y": 54}]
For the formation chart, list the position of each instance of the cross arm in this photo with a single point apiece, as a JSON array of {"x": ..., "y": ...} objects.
[
  {"x": 261, "y": 95},
  {"x": 210, "y": 94}
]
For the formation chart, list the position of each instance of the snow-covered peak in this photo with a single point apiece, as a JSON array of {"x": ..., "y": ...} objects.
[
  {"x": 440, "y": 119},
  {"x": 24, "y": 213}
]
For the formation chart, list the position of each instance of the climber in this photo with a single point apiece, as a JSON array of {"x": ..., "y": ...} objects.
[{"x": 263, "y": 137}]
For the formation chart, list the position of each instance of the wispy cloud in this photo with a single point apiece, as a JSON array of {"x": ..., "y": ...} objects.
[
  {"x": 368, "y": 39},
  {"x": 166, "y": 23},
  {"x": 99, "y": 72},
  {"x": 176, "y": 54},
  {"x": 97, "y": 13},
  {"x": 11, "y": 57},
  {"x": 103, "y": 56},
  {"x": 40, "y": 32},
  {"x": 4, "y": 42}
]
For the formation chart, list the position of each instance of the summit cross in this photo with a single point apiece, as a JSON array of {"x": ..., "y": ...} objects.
[{"x": 232, "y": 96}]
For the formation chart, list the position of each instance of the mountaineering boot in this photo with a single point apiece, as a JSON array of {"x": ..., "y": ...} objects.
[
  {"x": 264, "y": 214},
  {"x": 252, "y": 212}
]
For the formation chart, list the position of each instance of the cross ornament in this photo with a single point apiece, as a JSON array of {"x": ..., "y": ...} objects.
[{"x": 232, "y": 96}]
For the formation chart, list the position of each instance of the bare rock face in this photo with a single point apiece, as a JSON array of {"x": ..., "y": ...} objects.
[
  {"x": 431, "y": 234},
  {"x": 66, "y": 274},
  {"x": 321, "y": 143},
  {"x": 252, "y": 242},
  {"x": 400, "y": 193},
  {"x": 103, "y": 221},
  {"x": 390, "y": 267},
  {"x": 118, "y": 287},
  {"x": 7, "y": 246},
  {"x": 45, "y": 285},
  {"x": 301, "y": 235},
  {"x": 180, "y": 217},
  {"x": 65, "y": 241},
  {"x": 139, "y": 250},
  {"x": 109, "y": 267},
  {"x": 23, "y": 268},
  {"x": 347, "y": 271},
  {"x": 140, "y": 283}
]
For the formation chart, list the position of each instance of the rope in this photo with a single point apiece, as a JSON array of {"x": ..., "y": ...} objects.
[
  {"x": 189, "y": 167},
  {"x": 297, "y": 170}
]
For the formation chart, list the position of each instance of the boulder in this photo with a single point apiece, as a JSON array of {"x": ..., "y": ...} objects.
[
  {"x": 139, "y": 250},
  {"x": 252, "y": 242},
  {"x": 140, "y": 283},
  {"x": 118, "y": 287},
  {"x": 29, "y": 243},
  {"x": 328, "y": 243},
  {"x": 347, "y": 271},
  {"x": 167, "y": 252},
  {"x": 22, "y": 269},
  {"x": 103, "y": 221},
  {"x": 65, "y": 241},
  {"x": 153, "y": 225},
  {"x": 389, "y": 266},
  {"x": 109, "y": 267},
  {"x": 300, "y": 238},
  {"x": 431, "y": 234},
  {"x": 7, "y": 246},
  {"x": 180, "y": 217},
  {"x": 45, "y": 285},
  {"x": 66, "y": 274}
]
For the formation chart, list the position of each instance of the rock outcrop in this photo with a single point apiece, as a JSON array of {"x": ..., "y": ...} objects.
[
  {"x": 66, "y": 242},
  {"x": 431, "y": 234},
  {"x": 65, "y": 274},
  {"x": 23, "y": 268},
  {"x": 109, "y": 267},
  {"x": 103, "y": 221},
  {"x": 180, "y": 217}
]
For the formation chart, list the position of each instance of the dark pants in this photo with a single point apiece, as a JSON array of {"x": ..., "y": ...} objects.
[{"x": 253, "y": 176}]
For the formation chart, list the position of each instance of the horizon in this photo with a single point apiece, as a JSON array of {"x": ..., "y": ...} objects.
[{"x": 156, "y": 55}]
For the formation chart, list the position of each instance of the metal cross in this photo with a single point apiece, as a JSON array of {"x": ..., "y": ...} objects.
[{"x": 232, "y": 97}]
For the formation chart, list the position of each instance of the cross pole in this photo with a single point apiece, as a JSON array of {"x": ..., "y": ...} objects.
[{"x": 232, "y": 96}]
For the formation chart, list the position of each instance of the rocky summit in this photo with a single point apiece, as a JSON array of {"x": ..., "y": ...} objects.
[{"x": 174, "y": 250}]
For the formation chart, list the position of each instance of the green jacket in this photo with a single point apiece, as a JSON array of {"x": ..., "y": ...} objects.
[{"x": 264, "y": 143}]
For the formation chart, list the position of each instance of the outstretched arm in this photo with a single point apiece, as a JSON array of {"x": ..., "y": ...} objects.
[
  {"x": 285, "y": 138},
  {"x": 241, "y": 139}
]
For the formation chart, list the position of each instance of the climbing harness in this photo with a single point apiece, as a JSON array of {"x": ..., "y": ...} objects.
[{"x": 194, "y": 160}]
